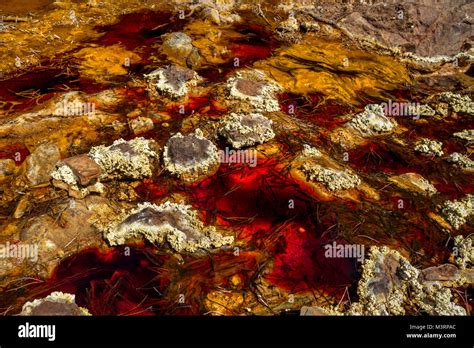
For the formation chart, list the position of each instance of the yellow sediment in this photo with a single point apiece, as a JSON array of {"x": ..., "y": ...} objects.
[
  {"x": 102, "y": 62},
  {"x": 346, "y": 75}
]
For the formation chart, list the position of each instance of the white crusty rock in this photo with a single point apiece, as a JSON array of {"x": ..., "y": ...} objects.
[
  {"x": 459, "y": 103},
  {"x": 172, "y": 223},
  {"x": 254, "y": 87},
  {"x": 463, "y": 251},
  {"x": 190, "y": 157},
  {"x": 429, "y": 147},
  {"x": 173, "y": 81},
  {"x": 460, "y": 160},
  {"x": 133, "y": 159},
  {"x": 333, "y": 179},
  {"x": 242, "y": 130},
  {"x": 390, "y": 283},
  {"x": 458, "y": 211},
  {"x": 467, "y": 134},
  {"x": 372, "y": 121},
  {"x": 55, "y": 304}
]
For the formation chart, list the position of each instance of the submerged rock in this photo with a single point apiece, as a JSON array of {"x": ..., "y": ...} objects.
[
  {"x": 172, "y": 81},
  {"x": 429, "y": 147},
  {"x": 414, "y": 182},
  {"x": 176, "y": 224},
  {"x": 190, "y": 157},
  {"x": 41, "y": 163},
  {"x": 457, "y": 212},
  {"x": 141, "y": 125},
  {"x": 133, "y": 159},
  {"x": 55, "y": 304},
  {"x": 242, "y": 130},
  {"x": 178, "y": 47}
]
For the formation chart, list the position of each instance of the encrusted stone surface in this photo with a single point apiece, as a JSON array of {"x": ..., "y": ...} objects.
[
  {"x": 429, "y": 147},
  {"x": 172, "y": 81},
  {"x": 134, "y": 159},
  {"x": 173, "y": 223},
  {"x": 464, "y": 251},
  {"x": 41, "y": 163},
  {"x": 242, "y": 130},
  {"x": 467, "y": 134},
  {"x": 458, "y": 211},
  {"x": 55, "y": 304},
  {"x": 333, "y": 179},
  {"x": 190, "y": 157},
  {"x": 460, "y": 160},
  {"x": 389, "y": 282},
  {"x": 372, "y": 121},
  {"x": 459, "y": 103},
  {"x": 254, "y": 87}
]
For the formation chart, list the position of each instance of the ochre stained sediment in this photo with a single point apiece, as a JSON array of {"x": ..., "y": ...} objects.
[{"x": 340, "y": 73}]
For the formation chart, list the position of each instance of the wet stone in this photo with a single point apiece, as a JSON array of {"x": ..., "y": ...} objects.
[
  {"x": 7, "y": 168},
  {"x": 414, "y": 182},
  {"x": 445, "y": 272},
  {"x": 41, "y": 163},
  {"x": 84, "y": 168},
  {"x": 178, "y": 46}
]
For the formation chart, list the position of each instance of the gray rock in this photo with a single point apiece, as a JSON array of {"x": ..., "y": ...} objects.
[
  {"x": 190, "y": 157},
  {"x": 242, "y": 130},
  {"x": 41, "y": 163}
]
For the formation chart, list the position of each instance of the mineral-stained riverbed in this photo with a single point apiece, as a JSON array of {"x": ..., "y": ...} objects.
[{"x": 233, "y": 158}]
